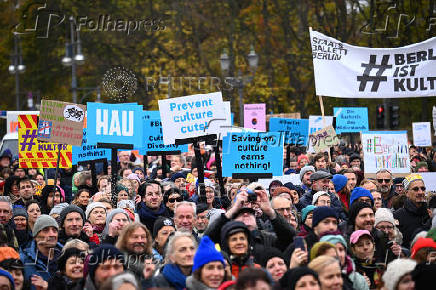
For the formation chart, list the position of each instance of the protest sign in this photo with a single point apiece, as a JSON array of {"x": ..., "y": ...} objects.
[
  {"x": 323, "y": 139},
  {"x": 429, "y": 180},
  {"x": 434, "y": 119},
  {"x": 12, "y": 119},
  {"x": 347, "y": 71},
  {"x": 350, "y": 120},
  {"x": 284, "y": 115},
  {"x": 316, "y": 123},
  {"x": 386, "y": 150},
  {"x": 61, "y": 122},
  {"x": 88, "y": 152},
  {"x": 253, "y": 153},
  {"x": 295, "y": 131},
  {"x": 187, "y": 117},
  {"x": 221, "y": 126},
  {"x": 255, "y": 116},
  {"x": 421, "y": 134},
  {"x": 35, "y": 154},
  {"x": 114, "y": 123}
]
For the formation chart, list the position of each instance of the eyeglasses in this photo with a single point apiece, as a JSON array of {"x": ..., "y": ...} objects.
[
  {"x": 381, "y": 180},
  {"x": 422, "y": 188},
  {"x": 288, "y": 209},
  {"x": 385, "y": 228},
  {"x": 174, "y": 199}
]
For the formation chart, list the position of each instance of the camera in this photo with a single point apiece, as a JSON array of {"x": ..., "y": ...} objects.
[{"x": 252, "y": 197}]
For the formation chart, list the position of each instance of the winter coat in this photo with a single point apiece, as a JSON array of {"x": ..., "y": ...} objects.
[
  {"x": 60, "y": 281},
  {"x": 148, "y": 216},
  {"x": 7, "y": 235},
  {"x": 194, "y": 284},
  {"x": 63, "y": 238}
]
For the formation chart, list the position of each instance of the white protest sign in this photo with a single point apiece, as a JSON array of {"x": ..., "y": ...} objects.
[
  {"x": 421, "y": 134},
  {"x": 187, "y": 117},
  {"x": 317, "y": 123},
  {"x": 386, "y": 150},
  {"x": 221, "y": 126},
  {"x": 429, "y": 180}
]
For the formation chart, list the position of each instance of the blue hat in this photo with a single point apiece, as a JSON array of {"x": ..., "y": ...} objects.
[
  {"x": 339, "y": 181},
  {"x": 360, "y": 192},
  {"x": 9, "y": 276},
  {"x": 334, "y": 239},
  {"x": 206, "y": 253},
  {"x": 322, "y": 212},
  {"x": 176, "y": 176},
  {"x": 306, "y": 211}
]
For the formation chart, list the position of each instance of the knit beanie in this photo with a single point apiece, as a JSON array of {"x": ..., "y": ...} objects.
[
  {"x": 269, "y": 253},
  {"x": 292, "y": 276},
  {"x": 57, "y": 209},
  {"x": 69, "y": 209},
  {"x": 395, "y": 270},
  {"x": 119, "y": 187},
  {"x": 411, "y": 178},
  {"x": 42, "y": 222},
  {"x": 8, "y": 253},
  {"x": 308, "y": 209},
  {"x": 314, "y": 252},
  {"x": 360, "y": 192},
  {"x": 432, "y": 234},
  {"x": 306, "y": 169},
  {"x": 334, "y": 239},
  {"x": 317, "y": 195},
  {"x": 339, "y": 181},
  {"x": 20, "y": 211},
  {"x": 100, "y": 255},
  {"x": 384, "y": 215},
  {"x": 422, "y": 243},
  {"x": 160, "y": 223},
  {"x": 9, "y": 276},
  {"x": 110, "y": 217},
  {"x": 322, "y": 212},
  {"x": 355, "y": 209},
  {"x": 206, "y": 253},
  {"x": 70, "y": 252},
  {"x": 92, "y": 206},
  {"x": 176, "y": 176}
]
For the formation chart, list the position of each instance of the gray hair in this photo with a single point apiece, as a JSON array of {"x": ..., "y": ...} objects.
[
  {"x": 6, "y": 199},
  {"x": 172, "y": 240},
  {"x": 115, "y": 282},
  {"x": 186, "y": 203},
  {"x": 384, "y": 170}
]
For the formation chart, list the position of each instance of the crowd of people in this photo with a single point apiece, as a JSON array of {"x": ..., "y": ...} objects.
[{"x": 333, "y": 229}]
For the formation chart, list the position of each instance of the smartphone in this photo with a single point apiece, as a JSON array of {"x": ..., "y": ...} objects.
[{"x": 300, "y": 243}]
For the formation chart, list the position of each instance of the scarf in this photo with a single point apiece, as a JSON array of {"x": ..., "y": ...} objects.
[{"x": 174, "y": 275}]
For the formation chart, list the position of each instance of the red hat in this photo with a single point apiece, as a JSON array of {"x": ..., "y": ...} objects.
[{"x": 422, "y": 243}]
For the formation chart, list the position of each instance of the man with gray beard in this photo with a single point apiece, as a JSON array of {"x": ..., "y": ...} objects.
[{"x": 384, "y": 185}]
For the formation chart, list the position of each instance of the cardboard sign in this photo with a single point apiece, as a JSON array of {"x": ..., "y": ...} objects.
[
  {"x": 188, "y": 117},
  {"x": 61, "y": 122},
  {"x": 386, "y": 150},
  {"x": 350, "y": 119},
  {"x": 255, "y": 116},
  {"x": 316, "y": 123},
  {"x": 114, "y": 123},
  {"x": 295, "y": 131},
  {"x": 421, "y": 134},
  {"x": 35, "y": 154},
  {"x": 253, "y": 153},
  {"x": 88, "y": 152},
  {"x": 323, "y": 139}
]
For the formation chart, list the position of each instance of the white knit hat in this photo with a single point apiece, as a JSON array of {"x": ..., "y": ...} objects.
[
  {"x": 317, "y": 195},
  {"x": 92, "y": 206},
  {"x": 397, "y": 269},
  {"x": 384, "y": 215}
]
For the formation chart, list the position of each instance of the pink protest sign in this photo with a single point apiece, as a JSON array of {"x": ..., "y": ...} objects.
[{"x": 254, "y": 116}]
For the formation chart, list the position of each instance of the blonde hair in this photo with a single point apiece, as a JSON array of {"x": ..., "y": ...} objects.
[{"x": 319, "y": 263}]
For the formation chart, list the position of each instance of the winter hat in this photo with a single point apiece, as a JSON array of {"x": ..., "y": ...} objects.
[
  {"x": 92, "y": 206},
  {"x": 305, "y": 169},
  {"x": 395, "y": 270},
  {"x": 9, "y": 276},
  {"x": 356, "y": 235},
  {"x": 360, "y": 192},
  {"x": 339, "y": 181},
  {"x": 269, "y": 253},
  {"x": 384, "y": 215},
  {"x": 334, "y": 239},
  {"x": 302, "y": 156},
  {"x": 411, "y": 178},
  {"x": 230, "y": 228},
  {"x": 317, "y": 195},
  {"x": 355, "y": 209},
  {"x": 314, "y": 252},
  {"x": 320, "y": 174},
  {"x": 8, "y": 253},
  {"x": 432, "y": 234},
  {"x": 69, "y": 209},
  {"x": 68, "y": 253},
  {"x": 322, "y": 212},
  {"x": 422, "y": 243},
  {"x": 100, "y": 255},
  {"x": 57, "y": 209},
  {"x": 20, "y": 211},
  {"x": 134, "y": 176},
  {"x": 160, "y": 223},
  {"x": 292, "y": 276},
  {"x": 308, "y": 209},
  {"x": 398, "y": 180},
  {"x": 206, "y": 253},
  {"x": 119, "y": 187},
  {"x": 42, "y": 222},
  {"x": 176, "y": 176},
  {"x": 126, "y": 203},
  {"x": 279, "y": 190},
  {"x": 110, "y": 216}
]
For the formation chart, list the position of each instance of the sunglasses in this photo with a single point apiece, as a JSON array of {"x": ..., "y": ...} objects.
[
  {"x": 178, "y": 199},
  {"x": 422, "y": 188},
  {"x": 383, "y": 180}
]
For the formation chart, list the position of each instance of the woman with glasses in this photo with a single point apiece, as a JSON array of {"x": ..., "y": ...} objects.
[{"x": 171, "y": 196}]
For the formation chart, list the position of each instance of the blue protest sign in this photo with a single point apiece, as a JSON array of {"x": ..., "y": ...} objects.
[
  {"x": 253, "y": 153},
  {"x": 295, "y": 131},
  {"x": 114, "y": 123},
  {"x": 351, "y": 119},
  {"x": 151, "y": 115},
  {"x": 88, "y": 152},
  {"x": 153, "y": 138}
]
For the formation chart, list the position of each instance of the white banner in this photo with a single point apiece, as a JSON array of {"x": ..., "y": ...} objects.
[
  {"x": 421, "y": 134},
  {"x": 347, "y": 71}
]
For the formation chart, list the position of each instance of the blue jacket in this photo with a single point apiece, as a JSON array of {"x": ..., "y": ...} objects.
[{"x": 35, "y": 263}]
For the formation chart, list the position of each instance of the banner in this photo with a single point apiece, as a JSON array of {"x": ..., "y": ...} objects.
[
  {"x": 188, "y": 117},
  {"x": 317, "y": 123},
  {"x": 295, "y": 131},
  {"x": 114, "y": 123},
  {"x": 255, "y": 116},
  {"x": 88, "y": 152},
  {"x": 35, "y": 154},
  {"x": 421, "y": 134},
  {"x": 61, "y": 122},
  {"x": 386, "y": 150},
  {"x": 347, "y": 71},
  {"x": 323, "y": 139},
  {"x": 253, "y": 153},
  {"x": 350, "y": 119}
]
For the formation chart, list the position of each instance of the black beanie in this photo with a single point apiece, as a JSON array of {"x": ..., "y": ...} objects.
[
  {"x": 160, "y": 223},
  {"x": 69, "y": 209},
  {"x": 291, "y": 277},
  {"x": 270, "y": 253},
  {"x": 355, "y": 208},
  {"x": 100, "y": 255}
]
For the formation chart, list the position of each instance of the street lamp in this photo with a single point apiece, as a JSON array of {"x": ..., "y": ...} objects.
[
  {"x": 17, "y": 67},
  {"x": 73, "y": 57},
  {"x": 240, "y": 81}
]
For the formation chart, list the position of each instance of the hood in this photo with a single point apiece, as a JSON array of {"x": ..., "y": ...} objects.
[{"x": 230, "y": 228}]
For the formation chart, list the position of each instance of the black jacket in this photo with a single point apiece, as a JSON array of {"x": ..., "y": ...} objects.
[
  {"x": 59, "y": 281},
  {"x": 412, "y": 220}
]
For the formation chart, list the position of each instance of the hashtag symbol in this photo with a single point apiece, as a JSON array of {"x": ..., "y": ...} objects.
[
  {"x": 369, "y": 145},
  {"x": 31, "y": 142},
  {"x": 366, "y": 77}
]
